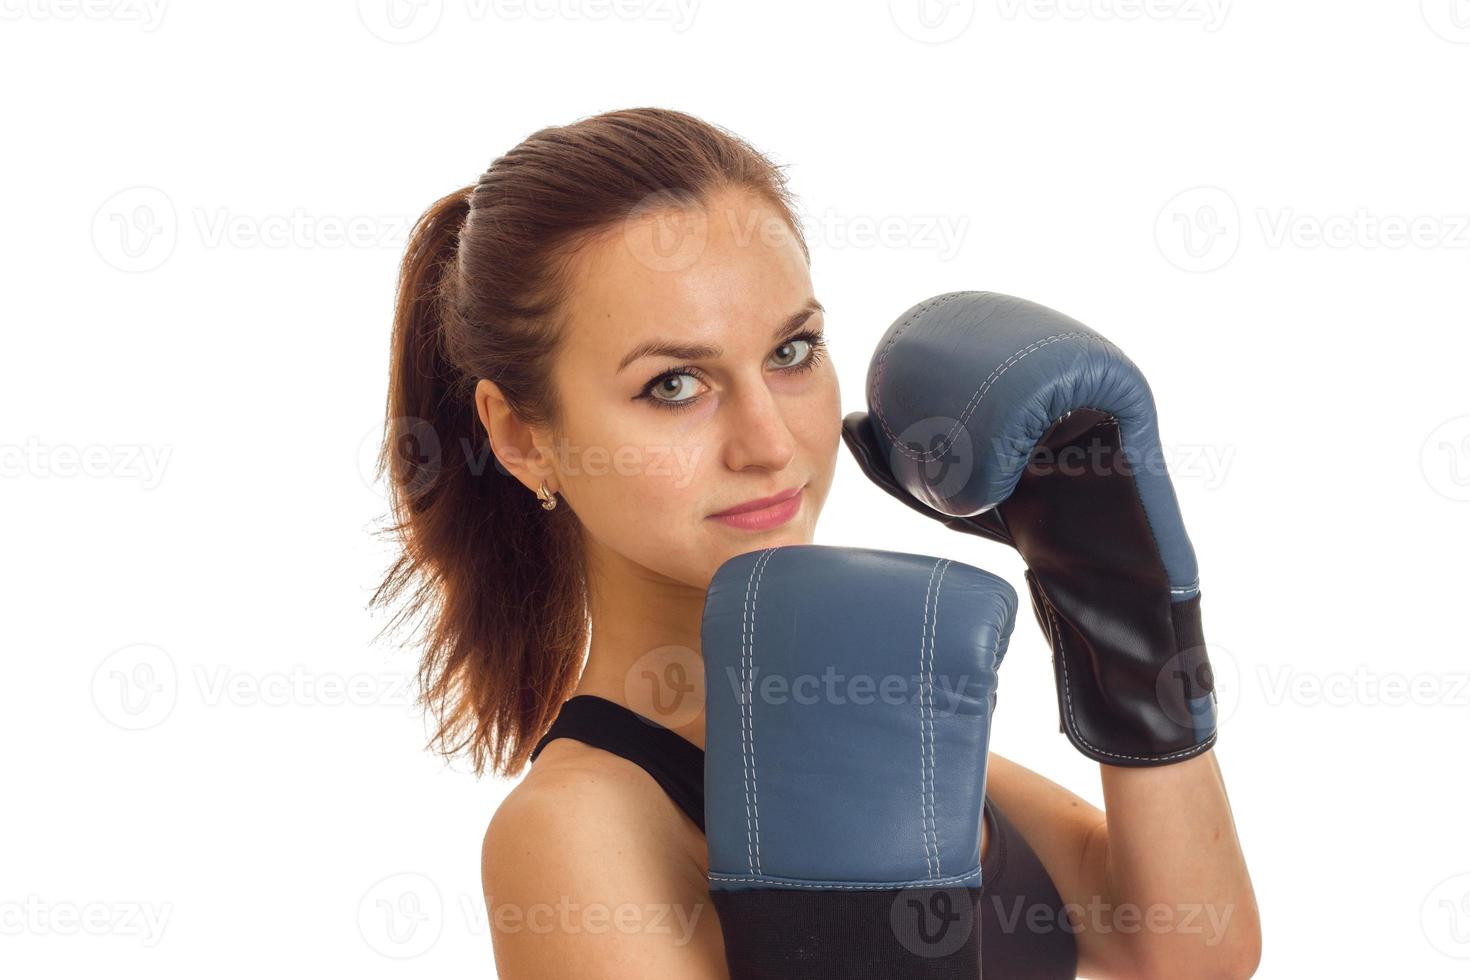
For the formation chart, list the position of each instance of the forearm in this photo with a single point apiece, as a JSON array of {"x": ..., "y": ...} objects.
[{"x": 1175, "y": 886}]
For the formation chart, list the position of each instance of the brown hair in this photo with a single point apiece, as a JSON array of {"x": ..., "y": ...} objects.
[{"x": 498, "y": 583}]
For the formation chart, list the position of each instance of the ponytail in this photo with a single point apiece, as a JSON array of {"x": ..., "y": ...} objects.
[{"x": 498, "y": 577}]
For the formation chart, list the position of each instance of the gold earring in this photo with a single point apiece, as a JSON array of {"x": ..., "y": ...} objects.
[{"x": 548, "y": 499}]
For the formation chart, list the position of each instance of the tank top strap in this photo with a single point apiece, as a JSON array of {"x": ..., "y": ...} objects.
[{"x": 674, "y": 762}]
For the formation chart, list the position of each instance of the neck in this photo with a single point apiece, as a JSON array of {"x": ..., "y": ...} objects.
[{"x": 644, "y": 649}]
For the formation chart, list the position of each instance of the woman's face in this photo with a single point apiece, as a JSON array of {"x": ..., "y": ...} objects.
[{"x": 655, "y": 442}]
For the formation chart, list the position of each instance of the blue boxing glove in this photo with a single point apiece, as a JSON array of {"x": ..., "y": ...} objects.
[
  {"x": 1005, "y": 419},
  {"x": 848, "y": 702}
]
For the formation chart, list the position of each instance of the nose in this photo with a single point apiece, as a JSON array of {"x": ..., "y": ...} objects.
[{"x": 758, "y": 436}]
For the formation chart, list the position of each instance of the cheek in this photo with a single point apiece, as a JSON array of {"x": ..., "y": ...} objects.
[
  {"x": 653, "y": 515},
  {"x": 821, "y": 424},
  {"x": 637, "y": 484}
]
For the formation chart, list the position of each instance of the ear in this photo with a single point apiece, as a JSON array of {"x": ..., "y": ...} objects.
[{"x": 518, "y": 447}]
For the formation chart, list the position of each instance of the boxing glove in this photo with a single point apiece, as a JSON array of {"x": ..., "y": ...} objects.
[
  {"x": 849, "y": 695},
  {"x": 1005, "y": 419}
]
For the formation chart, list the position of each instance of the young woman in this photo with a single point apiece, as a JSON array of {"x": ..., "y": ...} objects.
[{"x": 609, "y": 376}]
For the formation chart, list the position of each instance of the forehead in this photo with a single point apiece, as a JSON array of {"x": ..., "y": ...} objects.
[{"x": 724, "y": 275}]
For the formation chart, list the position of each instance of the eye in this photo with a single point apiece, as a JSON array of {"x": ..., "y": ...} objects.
[
  {"x": 678, "y": 389},
  {"x": 792, "y": 352},
  {"x": 674, "y": 389},
  {"x": 801, "y": 353}
]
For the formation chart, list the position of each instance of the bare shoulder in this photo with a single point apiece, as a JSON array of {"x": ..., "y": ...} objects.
[{"x": 587, "y": 873}]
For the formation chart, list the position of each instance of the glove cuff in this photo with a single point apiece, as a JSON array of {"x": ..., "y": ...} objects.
[
  {"x": 1141, "y": 702},
  {"x": 836, "y": 933}
]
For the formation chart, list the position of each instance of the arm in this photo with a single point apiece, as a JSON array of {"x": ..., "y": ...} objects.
[
  {"x": 579, "y": 883},
  {"x": 1157, "y": 886}
]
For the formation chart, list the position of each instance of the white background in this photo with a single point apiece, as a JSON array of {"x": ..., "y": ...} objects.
[{"x": 209, "y": 765}]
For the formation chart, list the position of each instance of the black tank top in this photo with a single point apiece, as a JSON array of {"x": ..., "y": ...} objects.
[{"x": 1024, "y": 931}]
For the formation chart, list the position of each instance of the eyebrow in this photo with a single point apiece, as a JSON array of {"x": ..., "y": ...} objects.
[{"x": 695, "y": 352}]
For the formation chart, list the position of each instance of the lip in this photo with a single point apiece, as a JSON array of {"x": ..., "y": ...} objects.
[{"x": 767, "y": 512}]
